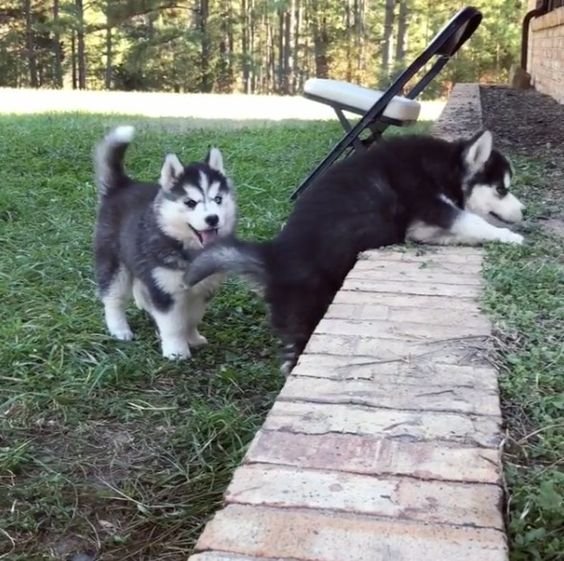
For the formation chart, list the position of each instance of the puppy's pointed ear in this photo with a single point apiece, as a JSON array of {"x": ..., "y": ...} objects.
[
  {"x": 172, "y": 169},
  {"x": 214, "y": 159},
  {"x": 478, "y": 150}
]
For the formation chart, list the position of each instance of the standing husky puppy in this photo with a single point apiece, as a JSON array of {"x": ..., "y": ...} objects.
[
  {"x": 419, "y": 188},
  {"x": 147, "y": 235}
]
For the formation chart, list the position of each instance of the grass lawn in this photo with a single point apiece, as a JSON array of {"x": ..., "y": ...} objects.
[
  {"x": 105, "y": 446},
  {"x": 525, "y": 296}
]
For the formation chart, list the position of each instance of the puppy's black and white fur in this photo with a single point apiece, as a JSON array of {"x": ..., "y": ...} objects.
[
  {"x": 146, "y": 237},
  {"x": 416, "y": 188}
]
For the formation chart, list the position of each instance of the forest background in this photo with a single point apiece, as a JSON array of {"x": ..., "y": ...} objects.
[{"x": 249, "y": 46}]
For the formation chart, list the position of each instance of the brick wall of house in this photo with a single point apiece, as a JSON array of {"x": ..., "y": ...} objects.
[{"x": 546, "y": 53}]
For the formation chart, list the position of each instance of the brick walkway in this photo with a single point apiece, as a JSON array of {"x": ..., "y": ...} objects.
[{"x": 384, "y": 443}]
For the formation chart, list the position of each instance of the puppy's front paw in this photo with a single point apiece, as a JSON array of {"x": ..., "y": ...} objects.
[
  {"x": 123, "y": 334},
  {"x": 176, "y": 349},
  {"x": 507, "y": 236}
]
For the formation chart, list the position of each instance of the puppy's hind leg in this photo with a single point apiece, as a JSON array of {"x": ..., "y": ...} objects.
[
  {"x": 197, "y": 299},
  {"x": 290, "y": 357},
  {"x": 294, "y": 315},
  {"x": 141, "y": 296},
  {"x": 196, "y": 308},
  {"x": 115, "y": 302},
  {"x": 115, "y": 297}
]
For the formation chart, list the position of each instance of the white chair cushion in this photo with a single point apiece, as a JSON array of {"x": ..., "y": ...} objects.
[{"x": 400, "y": 108}]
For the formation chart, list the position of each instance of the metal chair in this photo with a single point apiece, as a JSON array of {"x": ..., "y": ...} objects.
[{"x": 379, "y": 109}]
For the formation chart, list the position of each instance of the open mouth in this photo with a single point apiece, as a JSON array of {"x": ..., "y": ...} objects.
[{"x": 205, "y": 236}]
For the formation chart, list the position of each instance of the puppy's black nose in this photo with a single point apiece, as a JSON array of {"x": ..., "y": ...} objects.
[{"x": 212, "y": 220}]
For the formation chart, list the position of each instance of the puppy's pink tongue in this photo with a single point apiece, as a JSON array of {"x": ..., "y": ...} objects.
[{"x": 208, "y": 236}]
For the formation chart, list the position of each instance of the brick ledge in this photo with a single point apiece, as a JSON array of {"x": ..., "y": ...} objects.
[{"x": 385, "y": 441}]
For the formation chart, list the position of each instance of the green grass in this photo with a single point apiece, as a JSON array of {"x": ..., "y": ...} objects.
[
  {"x": 107, "y": 447},
  {"x": 525, "y": 296},
  {"x": 104, "y": 446}
]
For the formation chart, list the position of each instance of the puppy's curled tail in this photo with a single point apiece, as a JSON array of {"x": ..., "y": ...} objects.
[
  {"x": 108, "y": 159},
  {"x": 229, "y": 256}
]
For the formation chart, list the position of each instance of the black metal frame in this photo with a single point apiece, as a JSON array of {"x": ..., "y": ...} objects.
[{"x": 443, "y": 46}]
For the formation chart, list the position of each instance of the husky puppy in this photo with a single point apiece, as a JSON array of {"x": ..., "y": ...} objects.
[
  {"x": 417, "y": 188},
  {"x": 146, "y": 237}
]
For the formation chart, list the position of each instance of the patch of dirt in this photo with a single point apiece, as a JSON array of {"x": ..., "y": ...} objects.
[
  {"x": 69, "y": 549},
  {"x": 100, "y": 458},
  {"x": 105, "y": 453},
  {"x": 531, "y": 125}
]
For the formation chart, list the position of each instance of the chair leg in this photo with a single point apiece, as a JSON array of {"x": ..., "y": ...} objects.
[
  {"x": 355, "y": 143},
  {"x": 376, "y": 131},
  {"x": 320, "y": 169},
  {"x": 358, "y": 144},
  {"x": 342, "y": 119}
]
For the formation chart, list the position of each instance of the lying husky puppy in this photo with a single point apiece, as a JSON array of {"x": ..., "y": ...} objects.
[
  {"x": 146, "y": 237},
  {"x": 417, "y": 188}
]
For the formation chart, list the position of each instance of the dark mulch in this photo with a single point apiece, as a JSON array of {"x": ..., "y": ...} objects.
[
  {"x": 524, "y": 121},
  {"x": 530, "y": 125}
]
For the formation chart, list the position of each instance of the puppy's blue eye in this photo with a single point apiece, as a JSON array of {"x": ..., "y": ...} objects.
[
  {"x": 501, "y": 190},
  {"x": 218, "y": 200},
  {"x": 190, "y": 203}
]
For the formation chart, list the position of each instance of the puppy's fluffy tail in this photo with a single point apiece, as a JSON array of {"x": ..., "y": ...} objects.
[
  {"x": 108, "y": 159},
  {"x": 229, "y": 256}
]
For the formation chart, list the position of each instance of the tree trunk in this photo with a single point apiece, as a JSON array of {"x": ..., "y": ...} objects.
[
  {"x": 73, "y": 60},
  {"x": 350, "y": 32},
  {"x": 108, "y": 70},
  {"x": 359, "y": 14},
  {"x": 271, "y": 72},
  {"x": 296, "y": 63},
  {"x": 30, "y": 45},
  {"x": 252, "y": 40},
  {"x": 320, "y": 42},
  {"x": 57, "y": 50},
  {"x": 387, "y": 40},
  {"x": 287, "y": 43},
  {"x": 206, "y": 79},
  {"x": 225, "y": 71},
  {"x": 81, "y": 51},
  {"x": 245, "y": 47},
  {"x": 262, "y": 52},
  {"x": 403, "y": 24},
  {"x": 230, "y": 45},
  {"x": 280, "y": 73},
  {"x": 225, "y": 48}
]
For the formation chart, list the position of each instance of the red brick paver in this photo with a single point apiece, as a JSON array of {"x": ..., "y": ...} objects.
[{"x": 313, "y": 535}]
